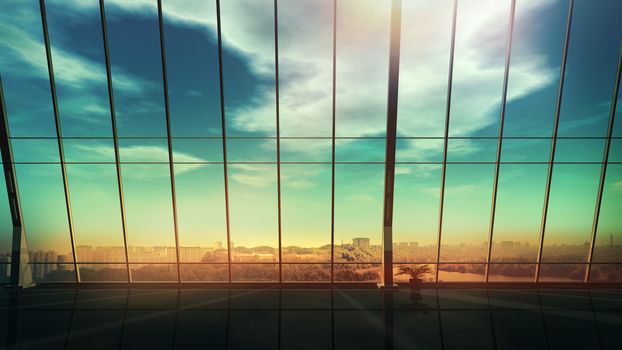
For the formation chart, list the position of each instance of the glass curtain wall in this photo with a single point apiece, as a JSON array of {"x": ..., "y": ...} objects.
[{"x": 244, "y": 140}]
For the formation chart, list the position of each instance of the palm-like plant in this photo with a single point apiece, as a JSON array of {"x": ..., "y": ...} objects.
[{"x": 415, "y": 272}]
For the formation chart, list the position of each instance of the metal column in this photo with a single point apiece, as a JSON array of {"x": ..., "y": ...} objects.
[
  {"x": 389, "y": 174},
  {"x": 21, "y": 274}
]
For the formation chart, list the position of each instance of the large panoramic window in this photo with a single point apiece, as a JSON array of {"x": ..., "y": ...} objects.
[{"x": 251, "y": 140}]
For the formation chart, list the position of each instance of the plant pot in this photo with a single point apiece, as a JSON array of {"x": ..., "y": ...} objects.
[{"x": 415, "y": 283}]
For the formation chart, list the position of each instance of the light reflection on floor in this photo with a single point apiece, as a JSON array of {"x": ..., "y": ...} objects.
[{"x": 272, "y": 318}]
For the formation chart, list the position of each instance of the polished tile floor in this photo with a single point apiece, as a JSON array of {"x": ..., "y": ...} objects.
[{"x": 311, "y": 319}]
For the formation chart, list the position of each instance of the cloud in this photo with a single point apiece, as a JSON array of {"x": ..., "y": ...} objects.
[
  {"x": 143, "y": 154},
  {"x": 305, "y": 52},
  {"x": 253, "y": 175},
  {"x": 305, "y": 62}
]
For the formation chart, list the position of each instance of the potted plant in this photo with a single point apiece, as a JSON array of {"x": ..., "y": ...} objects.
[{"x": 415, "y": 272}]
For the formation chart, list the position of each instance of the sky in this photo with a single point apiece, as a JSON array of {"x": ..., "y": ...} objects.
[{"x": 305, "y": 106}]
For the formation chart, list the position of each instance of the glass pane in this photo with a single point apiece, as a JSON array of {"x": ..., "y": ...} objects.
[
  {"x": 512, "y": 273},
  {"x": 197, "y": 150},
  {"x": 569, "y": 150},
  {"x": 136, "y": 69},
  {"x": 608, "y": 245},
  {"x": 357, "y": 272},
  {"x": 35, "y": 150},
  {"x": 419, "y": 150},
  {"x": 571, "y": 212},
  {"x": 44, "y": 212},
  {"x": 253, "y": 212},
  {"x": 468, "y": 195},
  {"x": 201, "y": 213},
  {"x": 518, "y": 213},
  {"x": 362, "y": 67},
  {"x": 562, "y": 272},
  {"x": 424, "y": 61},
  {"x": 192, "y": 67},
  {"x": 306, "y": 212},
  {"x": 615, "y": 150},
  {"x": 248, "y": 67},
  {"x": 537, "y": 45},
  {"x": 461, "y": 273},
  {"x": 204, "y": 273},
  {"x": 143, "y": 150},
  {"x": 255, "y": 272},
  {"x": 469, "y": 151},
  {"x": 358, "y": 212},
  {"x": 306, "y": 273},
  {"x": 88, "y": 151},
  {"x": 590, "y": 73},
  {"x": 103, "y": 272},
  {"x": 251, "y": 150},
  {"x": 526, "y": 150},
  {"x": 305, "y": 94},
  {"x": 98, "y": 231},
  {"x": 149, "y": 213},
  {"x": 79, "y": 68},
  {"x": 481, "y": 40},
  {"x": 415, "y": 213},
  {"x": 24, "y": 70},
  {"x": 360, "y": 150},
  {"x": 154, "y": 272},
  {"x": 306, "y": 150}
]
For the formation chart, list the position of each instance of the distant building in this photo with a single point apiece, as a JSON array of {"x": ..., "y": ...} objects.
[
  {"x": 49, "y": 258},
  {"x": 413, "y": 244},
  {"x": 507, "y": 245},
  {"x": 218, "y": 245},
  {"x": 63, "y": 261},
  {"x": 190, "y": 254},
  {"x": 360, "y": 242}
]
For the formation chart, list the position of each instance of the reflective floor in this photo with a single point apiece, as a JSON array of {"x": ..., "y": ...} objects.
[{"x": 311, "y": 319}]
